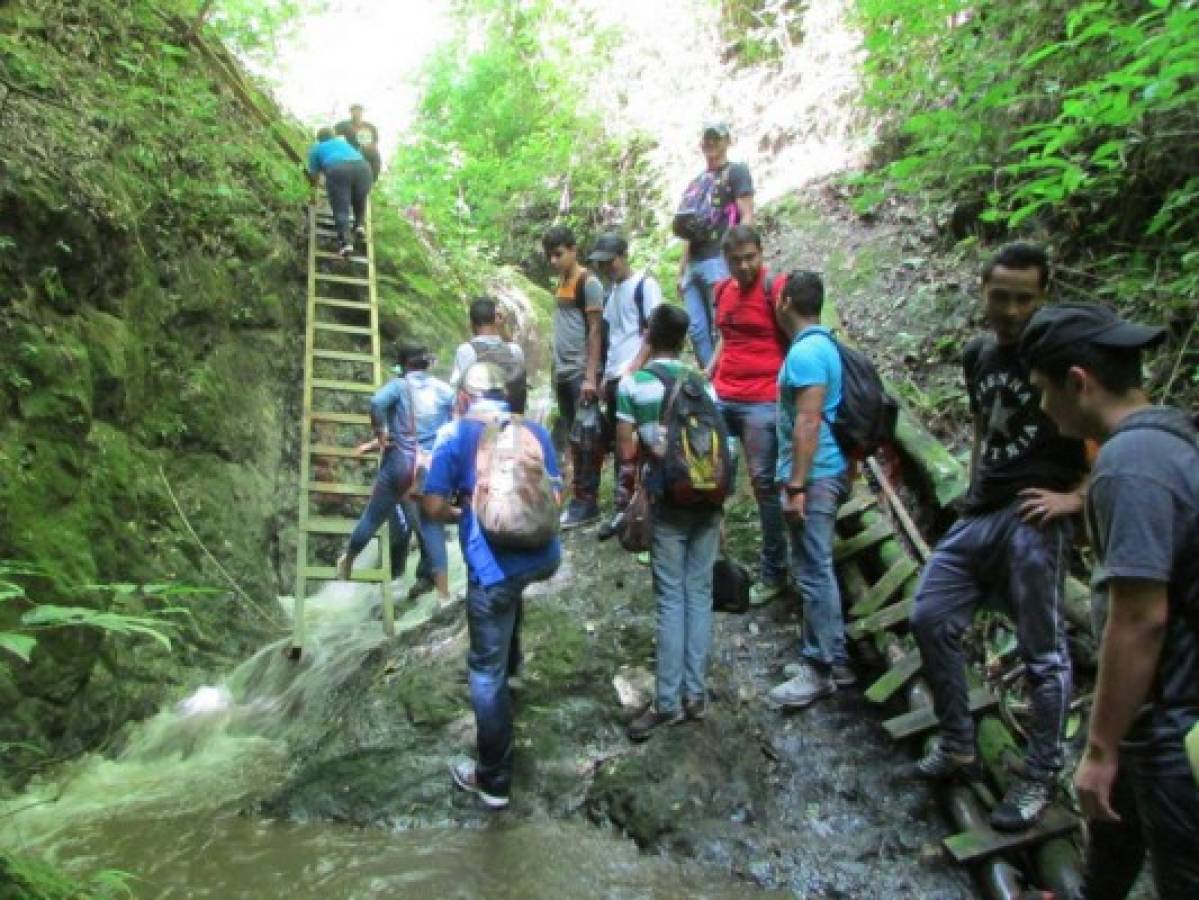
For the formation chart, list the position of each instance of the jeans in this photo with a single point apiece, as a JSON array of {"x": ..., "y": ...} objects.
[
  {"x": 586, "y": 466},
  {"x": 624, "y": 478},
  {"x": 431, "y": 535},
  {"x": 1159, "y": 815},
  {"x": 348, "y": 184},
  {"x": 823, "y": 638},
  {"x": 698, "y": 285},
  {"x": 681, "y": 559},
  {"x": 754, "y": 424},
  {"x": 392, "y": 482},
  {"x": 493, "y": 618},
  {"x": 997, "y": 552}
]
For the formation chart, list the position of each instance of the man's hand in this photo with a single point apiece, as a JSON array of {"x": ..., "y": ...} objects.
[
  {"x": 1093, "y": 780},
  {"x": 587, "y": 392},
  {"x": 794, "y": 506},
  {"x": 1039, "y": 507},
  {"x": 363, "y": 449}
]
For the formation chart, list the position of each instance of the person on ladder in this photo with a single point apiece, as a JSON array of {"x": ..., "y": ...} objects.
[{"x": 348, "y": 180}]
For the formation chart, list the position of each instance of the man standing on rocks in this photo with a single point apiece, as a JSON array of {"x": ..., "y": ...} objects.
[
  {"x": 631, "y": 301},
  {"x": 348, "y": 180},
  {"x": 685, "y": 539},
  {"x": 1134, "y": 782},
  {"x": 718, "y": 198},
  {"x": 745, "y": 370},
  {"x": 487, "y": 344},
  {"x": 813, "y": 476},
  {"x": 578, "y": 345},
  {"x": 497, "y": 576},
  {"x": 1012, "y": 540},
  {"x": 363, "y": 137}
]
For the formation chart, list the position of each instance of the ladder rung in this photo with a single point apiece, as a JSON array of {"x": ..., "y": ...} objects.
[
  {"x": 331, "y": 487},
  {"x": 326, "y": 525},
  {"x": 882, "y": 590},
  {"x": 342, "y": 279},
  {"x": 325, "y": 254},
  {"x": 884, "y": 618},
  {"x": 875, "y": 534},
  {"x": 356, "y": 387},
  {"x": 329, "y": 573},
  {"x": 343, "y": 329},
  {"x": 357, "y": 305},
  {"x": 329, "y": 450},
  {"x": 344, "y": 356},
  {"x": 921, "y": 720},
  {"x": 340, "y": 418}
]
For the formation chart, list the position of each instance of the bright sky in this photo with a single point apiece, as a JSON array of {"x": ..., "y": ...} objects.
[{"x": 359, "y": 51}]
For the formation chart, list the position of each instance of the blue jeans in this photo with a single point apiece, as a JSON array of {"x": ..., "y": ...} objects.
[
  {"x": 998, "y": 553},
  {"x": 431, "y": 537},
  {"x": 348, "y": 184},
  {"x": 493, "y": 618},
  {"x": 392, "y": 482},
  {"x": 823, "y": 639},
  {"x": 698, "y": 299},
  {"x": 754, "y": 424},
  {"x": 681, "y": 559}
]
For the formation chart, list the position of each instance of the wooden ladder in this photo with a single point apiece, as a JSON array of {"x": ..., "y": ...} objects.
[{"x": 325, "y": 343}]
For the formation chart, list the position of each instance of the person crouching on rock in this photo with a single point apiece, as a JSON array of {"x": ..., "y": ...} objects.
[
  {"x": 348, "y": 180},
  {"x": 508, "y": 530}
]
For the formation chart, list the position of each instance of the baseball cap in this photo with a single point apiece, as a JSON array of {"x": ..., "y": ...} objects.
[
  {"x": 411, "y": 351},
  {"x": 608, "y": 246},
  {"x": 716, "y": 129},
  {"x": 483, "y": 379},
  {"x": 1054, "y": 327}
]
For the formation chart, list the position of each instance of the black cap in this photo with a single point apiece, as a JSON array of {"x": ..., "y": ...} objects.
[
  {"x": 607, "y": 247},
  {"x": 410, "y": 352},
  {"x": 1054, "y": 327},
  {"x": 717, "y": 130}
]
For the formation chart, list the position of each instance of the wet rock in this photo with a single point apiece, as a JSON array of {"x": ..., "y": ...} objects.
[{"x": 634, "y": 688}]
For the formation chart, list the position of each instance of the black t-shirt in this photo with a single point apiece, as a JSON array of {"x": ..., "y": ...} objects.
[
  {"x": 1143, "y": 516},
  {"x": 364, "y": 136},
  {"x": 737, "y": 183},
  {"x": 1021, "y": 447}
]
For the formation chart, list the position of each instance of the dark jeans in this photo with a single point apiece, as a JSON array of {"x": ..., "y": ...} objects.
[
  {"x": 1159, "y": 814},
  {"x": 996, "y": 553},
  {"x": 754, "y": 424},
  {"x": 348, "y": 184},
  {"x": 373, "y": 159},
  {"x": 586, "y": 475},
  {"x": 493, "y": 617},
  {"x": 823, "y": 638},
  {"x": 392, "y": 482},
  {"x": 623, "y": 482}
]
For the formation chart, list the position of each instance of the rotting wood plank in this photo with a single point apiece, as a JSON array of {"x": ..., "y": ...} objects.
[
  {"x": 340, "y": 418},
  {"x": 343, "y": 279},
  {"x": 359, "y": 330},
  {"x": 875, "y": 534},
  {"x": 884, "y": 618},
  {"x": 894, "y": 678},
  {"x": 337, "y": 302},
  {"x": 329, "y": 573},
  {"x": 979, "y": 843},
  {"x": 334, "y": 487},
  {"x": 353, "y": 387},
  {"x": 921, "y": 721},
  {"x": 857, "y": 505},
  {"x": 330, "y": 525},
  {"x": 343, "y": 356},
  {"x": 883, "y": 589}
]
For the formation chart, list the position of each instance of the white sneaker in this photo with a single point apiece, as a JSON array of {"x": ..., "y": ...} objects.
[{"x": 804, "y": 689}]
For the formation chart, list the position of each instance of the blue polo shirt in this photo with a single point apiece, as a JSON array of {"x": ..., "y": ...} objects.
[
  {"x": 324, "y": 154},
  {"x": 452, "y": 471},
  {"x": 813, "y": 360}
]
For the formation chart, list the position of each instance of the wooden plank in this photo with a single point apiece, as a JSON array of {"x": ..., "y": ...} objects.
[
  {"x": 343, "y": 279},
  {"x": 338, "y": 452},
  {"x": 921, "y": 721},
  {"x": 329, "y": 573},
  {"x": 856, "y": 506},
  {"x": 344, "y": 356},
  {"x": 355, "y": 387},
  {"x": 340, "y": 418},
  {"x": 363, "y": 330},
  {"x": 884, "y": 618},
  {"x": 979, "y": 843},
  {"x": 883, "y": 589},
  {"x": 329, "y": 525},
  {"x": 333, "y": 487},
  {"x": 894, "y": 678},
  {"x": 875, "y": 534},
  {"x": 900, "y": 511},
  {"x": 356, "y": 305},
  {"x": 325, "y": 254}
]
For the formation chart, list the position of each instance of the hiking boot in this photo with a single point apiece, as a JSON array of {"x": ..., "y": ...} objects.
[
  {"x": 609, "y": 528},
  {"x": 642, "y": 558},
  {"x": 1024, "y": 802},
  {"x": 643, "y": 726},
  {"x": 579, "y": 513},
  {"x": 420, "y": 586},
  {"x": 804, "y": 689},
  {"x": 844, "y": 676},
  {"x": 765, "y": 591},
  {"x": 467, "y": 779},
  {"x": 346, "y": 251},
  {"x": 939, "y": 764},
  {"x": 695, "y": 708}
]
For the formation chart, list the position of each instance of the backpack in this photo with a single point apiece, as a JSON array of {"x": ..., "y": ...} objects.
[
  {"x": 731, "y": 582},
  {"x": 502, "y": 357},
  {"x": 706, "y": 210},
  {"x": 693, "y": 467},
  {"x": 866, "y": 416},
  {"x": 513, "y": 500},
  {"x": 581, "y": 303}
]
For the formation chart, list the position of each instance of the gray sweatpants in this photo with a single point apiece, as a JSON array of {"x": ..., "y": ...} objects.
[
  {"x": 348, "y": 184},
  {"x": 996, "y": 553}
]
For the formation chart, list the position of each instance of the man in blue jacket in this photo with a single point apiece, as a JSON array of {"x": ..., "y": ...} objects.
[{"x": 348, "y": 179}]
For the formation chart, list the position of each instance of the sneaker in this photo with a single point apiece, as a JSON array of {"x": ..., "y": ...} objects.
[
  {"x": 420, "y": 586},
  {"x": 1024, "y": 802},
  {"x": 609, "y": 528},
  {"x": 844, "y": 676},
  {"x": 804, "y": 689},
  {"x": 347, "y": 250},
  {"x": 939, "y": 764},
  {"x": 643, "y": 558},
  {"x": 359, "y": 232},
  {"x": 345, "y": 566},
  {"x": 643, "y": 726},
  {"x": 467, "y": 779},
  {"x": 695, "y": 709},
  {"x": 765, "y": 591},
  {"x": 579, "y": 513}
]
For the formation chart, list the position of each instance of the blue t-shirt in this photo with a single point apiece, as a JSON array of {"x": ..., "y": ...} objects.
[
  {"x": 324, "y": 154},
  {"x": 812, "y": 360},
  {"x": 452, "y": 471},
  {"x": 434, "y": 400},
  {"x": 391, "y": 407}
]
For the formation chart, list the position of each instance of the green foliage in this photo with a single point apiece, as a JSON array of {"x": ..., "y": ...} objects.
[
  {"x": 502, "y": 146},
  {"x": 256, "y": 27},
  {"x": 1078, "y": 117},
  {"x": 760, "y": 31},
  {"x": 30, "y": 879}
]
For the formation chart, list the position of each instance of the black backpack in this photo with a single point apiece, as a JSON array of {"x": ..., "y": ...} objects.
[
  {"x": 867, "y": 414},
  {"x": 500, "y": 355},
  {"x": 693, "y": 469},
  {"x": 581, "y": 303}
]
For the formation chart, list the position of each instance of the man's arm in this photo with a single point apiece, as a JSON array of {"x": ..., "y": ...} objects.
[
  {"x": 976, "y": 446},
  {"x": 745, "y": 207},
  {"x": 436, "y": 508},
  {"x": 714, "y": 362},
  {"x": 1128, "y": 658},
  {"x": 594, "y": 344},
  {"x": 805, "y": 438}
]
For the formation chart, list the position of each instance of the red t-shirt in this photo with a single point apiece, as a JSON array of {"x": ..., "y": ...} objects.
[{"x": 754, "y": 349}]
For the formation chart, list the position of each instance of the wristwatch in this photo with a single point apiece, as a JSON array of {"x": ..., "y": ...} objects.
[{"x": 794, "y": 490}]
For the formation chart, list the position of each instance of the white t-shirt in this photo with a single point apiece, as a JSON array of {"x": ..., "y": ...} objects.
[
  {"x": 624, "y": 327},
  {"x": 465, "y": 356}
]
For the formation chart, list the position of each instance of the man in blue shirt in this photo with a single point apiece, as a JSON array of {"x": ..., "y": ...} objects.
[
  {"x": 497, "y": 576},
  {"x": 813, "y": 476},
  {"x": 348, "y": 179}
]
